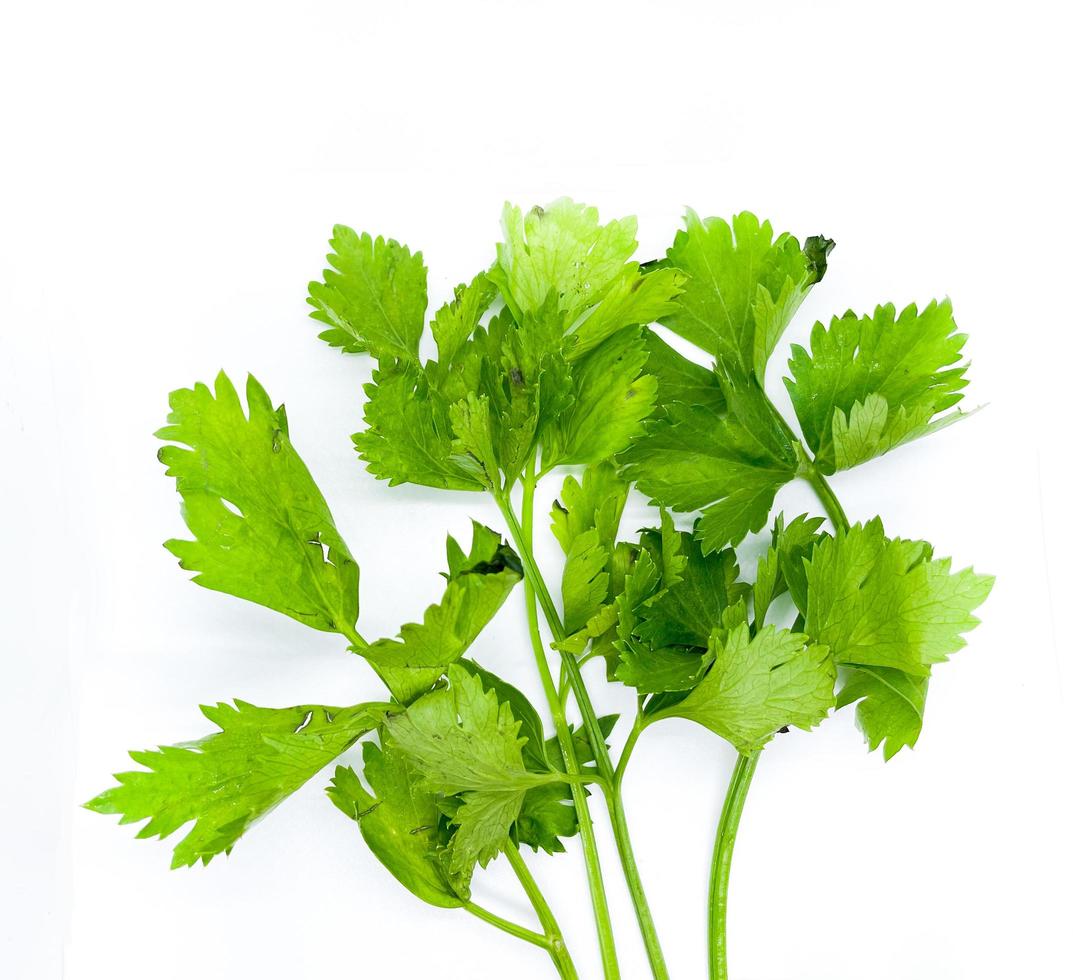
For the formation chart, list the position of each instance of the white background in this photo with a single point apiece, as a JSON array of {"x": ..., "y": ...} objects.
[{"x": 170, "y": 178}]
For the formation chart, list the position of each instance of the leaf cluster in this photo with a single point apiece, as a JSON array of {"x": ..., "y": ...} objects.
[{"x": 551, "y": 357}]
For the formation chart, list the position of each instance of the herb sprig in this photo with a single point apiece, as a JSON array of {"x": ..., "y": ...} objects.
[{"x": 549, "y": 359}]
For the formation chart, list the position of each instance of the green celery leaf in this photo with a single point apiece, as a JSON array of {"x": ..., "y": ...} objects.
[
  {"x": 641, "y": 582},
  {"x": 598, "y": 629},
  {"x": 561, "y": 251},
  {"x": 673, "y": 547},
  {"x": 656, "y": 670},
  {"x": 759, "y": 685},
  {"x": 890, "y": 706},
  {"x": 585, "y": 521},
  {"x": 685, "y": 612},
  {"x": 596, "y": 503},
  {"x": 477, "y": 586},
  {"x": 782, "y": 568},
  {"x": 696, "y": 459},
  {"x": 510, "y": 382},
  {"x": 530, "y": 727},
  {"x": 871, "y": 383},
  {"x": 744, "y": 286},
  {"x": 635, "y": 298},
  {"x": 463, "y": 741},
  {"x": 585, "y": 580},
  {"x": 887, "y": 603},
  {"x": 547, "y": 812},
  {"x": 680, "y": 379},
  {"x": 374, "y": 296},
  {"x": 408, "y": 436},
  {"x": 401, "y": 823},
  {"x": 228, "y": 780},
  {"x": 749, "y": 406},
  {"x": 547, "y": 816},
  {"x": 678, "y": 596},
  {"x": 474, "y": 445},
  {"x": 262, "y": 529},
  {"x": 612, "y": 400},
  {"x": 455, "y": 322}
]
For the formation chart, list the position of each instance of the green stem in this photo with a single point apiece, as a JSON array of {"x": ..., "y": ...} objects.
[
  {"x": 641, "y": 909},
  {"x": 522, "y": 535},
  {"x": 559, "y": 953},
  {"x": 536, "y": 583},
  {"x": 555, "y": 624},
  {"x": 627, "y": 749},
  {"x": 830, "y": 502},
  {"x": 810, "y": 472},
  {"x": 629, "y": 862},
  {"x": 745, "y": 767},
  {"x": 719, "y": 881},
  {"x": 536, "y": 586},
  {"x": 356, "y": 639},
  {"x": 512, "y": 928}
]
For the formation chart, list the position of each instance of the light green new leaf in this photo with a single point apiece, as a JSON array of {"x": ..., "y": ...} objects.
[
  {"x": 782, "y": 568},
  {"x": 629, "y": 657},
  {"x": 887, "y": 603},
  {"x": 744, "y": 285},
  {"x": 262, "y": 530},
  {"x": 474, "y": 445},
  {"x": 408, "y": 436},
  {"x": 749, "y": 406},
  {"x": 401, "y": 823},
  {"x": 586, "y": 523},
  {"x": 612, "y": 399},
  {"x": 455, "y": 322},
  {"x": 890, "y": 709},
  {"x": 596, "y": 502},
  {"x": 871, "y": 383},
  {"x": 635, "y": 298},
  {"x": 585, "y": 580},
  {"x": 674, "y": 549},
  {"x": 695, "y": 459},
  {"x": 507, "y": 384},
  {"x": 463, "y": 741},
  {"x": 374, "y": 296},
  {"x": 561, "y": 251},
  {"x": 477, "y": 586},
  {"x": 227, "y": 781},
  {"x": 758, "y": 685}
]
